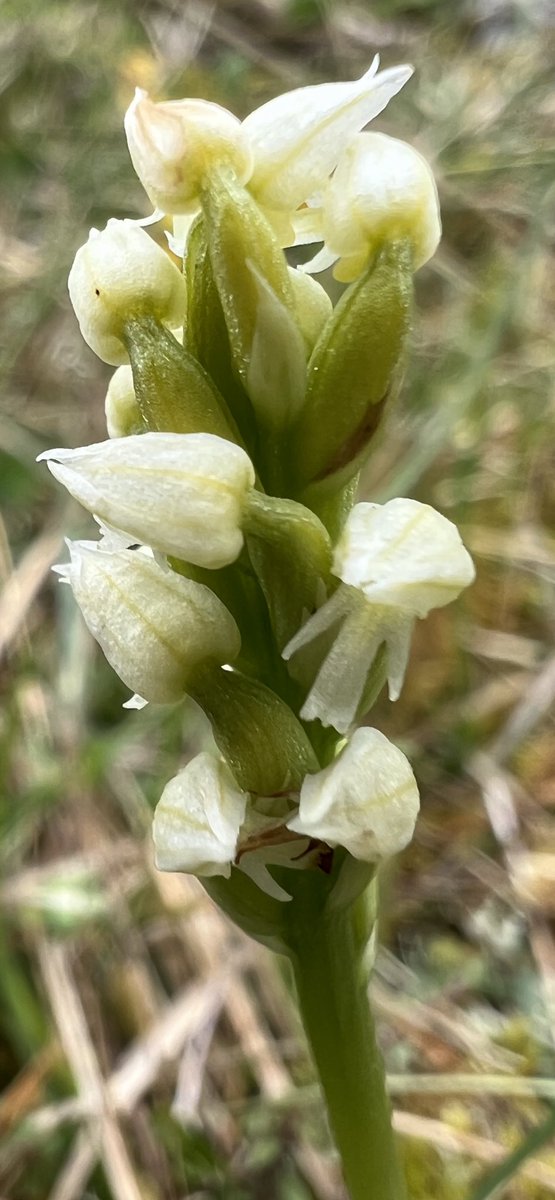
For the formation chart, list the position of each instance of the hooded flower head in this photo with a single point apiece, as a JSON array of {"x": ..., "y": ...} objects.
[
  {"x": 366, "y": 800},
  {"x": 183, "y": 494},
  {"x": 173, "y": 146},
  {"x": 118, "y": 274},
  {"x": 154, "y": 626},
  {"x": 381, "y": 191}
]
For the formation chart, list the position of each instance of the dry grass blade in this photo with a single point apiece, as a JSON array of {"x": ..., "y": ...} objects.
[
  {"x": 23, "y": 584},
  {"x": 440, "y": 1135},
  {"x": 75, "y": 1038}
]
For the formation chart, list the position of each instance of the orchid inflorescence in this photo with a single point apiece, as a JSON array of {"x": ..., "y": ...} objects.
[{"x": 233, "y": 565}]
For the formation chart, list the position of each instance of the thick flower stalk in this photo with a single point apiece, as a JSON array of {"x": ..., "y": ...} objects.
[{"x": 233, "y": 565}]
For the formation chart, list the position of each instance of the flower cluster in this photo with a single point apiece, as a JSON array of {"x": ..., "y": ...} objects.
[{"x": 231, "y": 565}]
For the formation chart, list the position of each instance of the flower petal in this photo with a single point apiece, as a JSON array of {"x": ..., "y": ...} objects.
[
  {"x": 198, "y": 819},
  {"x": 297, "y": 137}
]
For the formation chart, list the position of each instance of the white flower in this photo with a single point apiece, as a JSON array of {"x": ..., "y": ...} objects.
[
  {"x": 403, "y": 554},
  {"x": 122, "y": 411},
  {"x": 198, "y": 819},
  {"x": 118, "y": 274},
  {"x": 173, "y": 146},
  {"x": 382, "y": 190},
  {"x": 297, "y": 138},
  {"x": 366, "y": 800},
  {"x": 154, "y": 626},
  {"x": 183, "y": 494},
  {"x": 396, "y": 561}
]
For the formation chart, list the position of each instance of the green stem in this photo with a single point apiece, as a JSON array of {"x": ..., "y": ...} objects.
[{"x": 332, "y": 989}]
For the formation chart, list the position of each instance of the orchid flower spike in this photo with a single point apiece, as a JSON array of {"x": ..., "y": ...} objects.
[
  {"x": 396, "y": 561},
  {"x": 366, "y": 800},
  {"x": 121, "y": 273},
  {"x": 182, "y": 494}
]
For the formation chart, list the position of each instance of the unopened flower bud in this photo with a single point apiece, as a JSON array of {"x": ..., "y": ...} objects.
[
  {"x": 383, "y": 190},
  {"x": 198, "y": 819},
  {"x": 155, "y": 627},
  {"x": 123, "y": 416},
  {"x": 183, "y": 494},
  {"x": 366, "y": 800},
  {"x": 173, "y": 146},
  {"x": 118, "y": 274}
]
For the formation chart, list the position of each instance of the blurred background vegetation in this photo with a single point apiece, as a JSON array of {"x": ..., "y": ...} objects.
[{"x": 146, "y": 1049}]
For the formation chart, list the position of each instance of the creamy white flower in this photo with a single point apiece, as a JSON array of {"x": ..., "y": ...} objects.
[
  {"x": 297, "y": 138},
  {"x": 198, "y": 819},
  {"x": 366, "y": 800},
  {"x": 118, "y": 274},
  {"x": 404, "y": 554},
  {"x": 154, "y": 626},
  {"x": 396, "y": 561},
  {"x": 183, "y": 494},
  {"x": 122, "y": 411},
  {"x": 382, "y": 190},
  {"x": 174, "y": 144}
]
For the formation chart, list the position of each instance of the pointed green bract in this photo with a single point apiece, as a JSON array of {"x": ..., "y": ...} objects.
[
  {"x": 174, "y": 393},
  {"x": 258, "y": 734},
  {"x": 353, "y": 372},
  {"x": 291, "y": 553},
  {"x": 242, "y": 247}
]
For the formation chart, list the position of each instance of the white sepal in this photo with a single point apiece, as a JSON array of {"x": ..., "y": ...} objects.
[
  {"x": 403, "y": 554},
  {"x": 297, "y": 137},
  {"x": 154, "y": 626},
  {"x": 118, "y": 274},
  {"x": 183, "y": 494},
  {"x": 366, "y": 800},
  {"x": 198, "y": 819}
]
